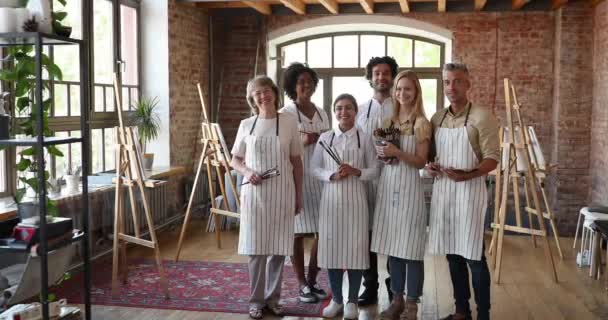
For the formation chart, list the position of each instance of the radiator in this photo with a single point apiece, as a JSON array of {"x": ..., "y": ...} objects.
[
  {"x": 157, "y": 203},
  {"x": 201, "y": 195}
]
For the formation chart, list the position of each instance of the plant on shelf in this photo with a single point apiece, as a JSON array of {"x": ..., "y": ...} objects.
[
  {"x": 23, "y": 78},
  {"x": 58, "y": 17},
  {"x": 147, "y": 121}
]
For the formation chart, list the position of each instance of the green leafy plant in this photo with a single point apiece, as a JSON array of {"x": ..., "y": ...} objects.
[
  {"x": 58, "y": 17},
  {"x": 23, "y": 78},
  {"x": 146, "y": 119}
]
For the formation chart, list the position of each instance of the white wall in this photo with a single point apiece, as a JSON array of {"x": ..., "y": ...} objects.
[{"x": 155, "y": 70}]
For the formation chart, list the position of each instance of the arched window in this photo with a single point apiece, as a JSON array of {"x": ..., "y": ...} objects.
[{"x": 340, "y": 59}]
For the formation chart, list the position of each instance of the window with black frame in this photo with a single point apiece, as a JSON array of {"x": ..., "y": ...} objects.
[
  {"x": 340, "y": 60},
  {"x": 115, "y": 45}
]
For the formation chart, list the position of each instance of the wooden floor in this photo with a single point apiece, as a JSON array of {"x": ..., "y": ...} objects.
[{"x": 526, "y": 290}]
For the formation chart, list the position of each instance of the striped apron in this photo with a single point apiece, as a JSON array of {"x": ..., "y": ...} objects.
[
  {"x": 267, "y": 210},
  {"x": 400, "y": 216},
  {"x": 343, "y": 221},
  {"x": 457, "y": 208},
  {"x": 308, "y": 220},
  {"x": 371, "y": 124}
]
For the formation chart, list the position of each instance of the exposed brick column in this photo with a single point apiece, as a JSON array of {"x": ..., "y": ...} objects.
[
  {"x": 599, "y": 122},
  {"x": 188, "y": 64},
  {"x": 572, "y": 105}
]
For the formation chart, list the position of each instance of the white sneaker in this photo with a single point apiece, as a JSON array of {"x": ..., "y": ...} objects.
[
  {"x": 351, "y": 311},
  {"x": 333, "y": 309}
]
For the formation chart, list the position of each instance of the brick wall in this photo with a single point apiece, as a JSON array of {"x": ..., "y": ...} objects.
[
  {"x": 572, "y": 110},
  {"x": 599, "y": 124},
  {"x": 547, "y": 55},
  {"x": 188, "y": 64},
  {"x": 236, "y": 41}
]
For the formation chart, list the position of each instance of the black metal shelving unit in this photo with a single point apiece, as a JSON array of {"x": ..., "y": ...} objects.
[{"x": 39, "y": 40}]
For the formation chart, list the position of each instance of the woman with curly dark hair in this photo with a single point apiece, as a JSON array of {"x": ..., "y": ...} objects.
[{"x": 299, "y": 83}]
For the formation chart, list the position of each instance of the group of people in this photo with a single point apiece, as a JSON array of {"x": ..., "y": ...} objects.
[{"x": 361, "y": 196}]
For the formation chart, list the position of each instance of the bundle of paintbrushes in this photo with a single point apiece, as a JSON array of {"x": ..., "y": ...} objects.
[
  {"x": 332, "y": 153},
  {"x": 270, "y": 173},
  {"x": 385, "y": 135}
]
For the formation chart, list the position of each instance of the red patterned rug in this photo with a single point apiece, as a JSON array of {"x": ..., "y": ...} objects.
[{"x": 193, "y": 286}]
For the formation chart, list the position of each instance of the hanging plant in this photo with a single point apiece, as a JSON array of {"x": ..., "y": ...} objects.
[{"x": 23, "y": 79}]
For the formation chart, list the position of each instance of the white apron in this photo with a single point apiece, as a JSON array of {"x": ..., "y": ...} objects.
[
  {"x": 371, "y": 123},
  {"x": 400, "y": 215},
  {"x": 308, "y": 220},
  {"x": 267, "y": 210},
  {"x": 457, "y": 208},
  {"x": 343, "y": 221}
]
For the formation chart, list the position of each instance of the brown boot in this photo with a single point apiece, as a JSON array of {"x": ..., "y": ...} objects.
[
  {"x": 410, "y": 312},
  {"x": 393, "y": 310}
]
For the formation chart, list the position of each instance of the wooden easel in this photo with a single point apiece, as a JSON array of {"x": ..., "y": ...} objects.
[
  {"x": 507, "y": 172},
  {"x": 130, "y": 173},
  {"x": 215, "y": 154}
]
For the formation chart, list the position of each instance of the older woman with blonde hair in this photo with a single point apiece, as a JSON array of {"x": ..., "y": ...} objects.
[
  {"x": 267, "y": 152},
  {"x": 400, "y": 218}
]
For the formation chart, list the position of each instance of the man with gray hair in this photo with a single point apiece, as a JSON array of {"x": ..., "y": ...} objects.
[{"x": 465, "y": 149}]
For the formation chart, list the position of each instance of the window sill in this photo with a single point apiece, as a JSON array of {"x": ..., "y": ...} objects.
[{"x": 10, "y": 211}]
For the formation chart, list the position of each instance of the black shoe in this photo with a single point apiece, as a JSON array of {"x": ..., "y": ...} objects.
[
  {"x": 368, "y": 297},
  {"x": 318, "y": 292},
  {"x": 387, "y": 281},
  {"x": 307, "y": 296}
]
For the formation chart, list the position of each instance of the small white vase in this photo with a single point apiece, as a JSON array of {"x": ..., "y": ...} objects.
[
  {"x": 21, "y": 16},
  {"x": 72, "y": 183},
  {"x": 7, "y": 20},
  {"x": 41, "y": 9}
]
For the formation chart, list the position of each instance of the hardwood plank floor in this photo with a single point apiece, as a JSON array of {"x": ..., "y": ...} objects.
[{"x": 526, "y": 290}]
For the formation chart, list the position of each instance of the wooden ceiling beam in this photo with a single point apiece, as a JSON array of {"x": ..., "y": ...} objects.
[
  {"x": 556, "y": 4},
  {"x": 518, "y": 4},
  {"x": 479, "y": 4},
  {"x": 296, "y": 6},
  {"x": 368, "y": 6},
  {"x": 330, "y": 5},
  {"x": 262, "y": 8},
  {"x": 441, "y": 5},
  {"x": 405, "y": 6}
]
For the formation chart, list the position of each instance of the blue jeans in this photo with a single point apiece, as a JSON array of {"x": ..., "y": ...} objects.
[
  {"x": 412, "y": 270},
  {"x": 354, "y": 283},
  {"x": 460, "y": 282}
]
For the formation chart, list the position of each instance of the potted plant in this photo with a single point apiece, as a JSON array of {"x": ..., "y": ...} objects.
[
  {"x": 147, "y": 121},
  {"x": 22, "y": 75}
]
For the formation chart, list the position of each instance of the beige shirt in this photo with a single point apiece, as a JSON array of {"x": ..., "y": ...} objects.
[
  {"x": 482, "y": 128},
  {"x": 422, "y": 128}
]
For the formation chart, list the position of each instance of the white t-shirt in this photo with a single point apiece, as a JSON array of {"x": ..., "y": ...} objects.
[
  {"x": 319, "y": 120},
  {"x": 288, "y": 134},
  {"x": 379, "y": 111},
  {"x": 346, "y": 141}
]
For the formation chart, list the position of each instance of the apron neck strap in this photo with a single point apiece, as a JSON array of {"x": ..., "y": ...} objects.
[
  {"x": 466, "y": 119},
  {"x": 256, "y": 122},
  {"x": 313, "y": 115},
  {"x": 413, "y": 125},
  {"x": 331, "y": 142},
  {"x": 253, "y": 126},
  {"x": 369, "y": 108}
]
